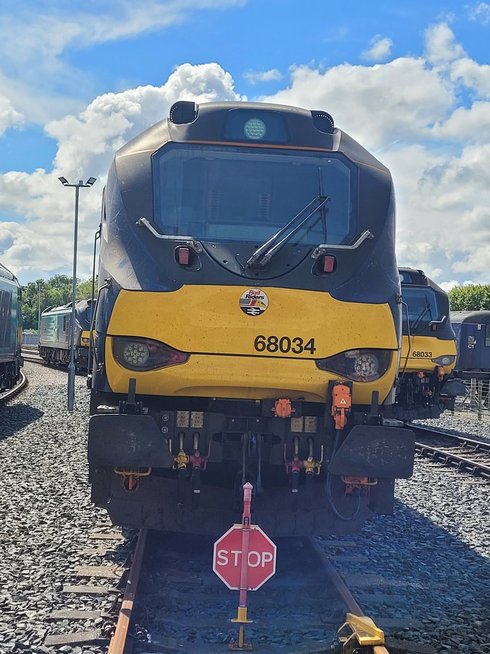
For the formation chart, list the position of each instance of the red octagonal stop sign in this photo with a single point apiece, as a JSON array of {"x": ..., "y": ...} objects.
[{"x": 227, "y": 557}]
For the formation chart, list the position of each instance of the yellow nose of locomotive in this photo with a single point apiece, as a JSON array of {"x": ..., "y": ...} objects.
[{"x": 249, "y": 343}]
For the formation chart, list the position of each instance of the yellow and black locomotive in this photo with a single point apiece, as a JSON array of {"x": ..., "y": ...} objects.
[
  {"x": 247, "y": 327},
  {"x": 425, "y": 387}
]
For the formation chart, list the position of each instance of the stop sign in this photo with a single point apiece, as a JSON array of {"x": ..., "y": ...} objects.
[{"x": 227, "y": 557}]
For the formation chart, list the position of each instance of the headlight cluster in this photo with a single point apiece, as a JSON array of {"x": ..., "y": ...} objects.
[
  {"x": 145, "y": 354},
  {"x": 444, "y": 360},
  {"x": 358, "y": 365}
]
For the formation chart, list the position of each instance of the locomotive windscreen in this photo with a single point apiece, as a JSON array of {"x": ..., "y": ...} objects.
[
  {"x": 240, "y": 194},
  {"x": 423, "y": 308}
]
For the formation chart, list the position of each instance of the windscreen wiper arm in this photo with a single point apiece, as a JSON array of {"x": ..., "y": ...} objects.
[
  {"x": 268, "y": 249},
  {"x": 188, "y": 240},
  {"x": 324, "y": 247},
  {"x": 421, "y": 315}
]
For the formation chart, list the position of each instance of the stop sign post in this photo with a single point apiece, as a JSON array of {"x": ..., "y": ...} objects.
[
  {"x": 228, "y": 553},
  {"x": 244, "y": 558}
]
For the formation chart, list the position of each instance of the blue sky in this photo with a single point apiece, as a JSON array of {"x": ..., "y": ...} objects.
[{"x": 410, "y": 81}]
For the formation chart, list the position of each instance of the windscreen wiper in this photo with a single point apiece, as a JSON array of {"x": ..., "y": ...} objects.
[
  {"x": 325, "y": 247},
  {"x": 268, "y": 249},
  {"x": 421, "y": 316},
  {"x": 188, "y": 240}
]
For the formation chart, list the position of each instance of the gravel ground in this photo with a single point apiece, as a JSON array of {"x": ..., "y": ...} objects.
[
  {"x": 433, "y": 554},
  {"x": 462, "y": 421},
  {"x": 436, "y": 547},
  {"x": 45, "y": 508}
]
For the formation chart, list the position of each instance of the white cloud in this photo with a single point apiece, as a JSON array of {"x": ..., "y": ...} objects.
[
  {"x": 441, "y": 45},
  {"x": 437, "y": 150},
  {"x": 369, "y": 102},
  {"x": 87, "y": 141},
  {"x": 465, "y": 124},
  {"x": 379, "y": 50},
  {"x": 34, "y": 44},
  {"x": 448, "y": 286},
  {"x": 9, "y": 117},
  {"x": 255, "y": 77},
  {"x": 86, "y": 146},
  {"x": 472, "y": 75},
  {"x": 42, "y": 241},
  {"x": 407, "y": 110},
  {"x": 480, "y": 13}
]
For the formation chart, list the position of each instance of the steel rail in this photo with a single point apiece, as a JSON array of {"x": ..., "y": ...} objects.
[
  {"x": 118, "y": 640},
  {"x": 455, "y": 459},
  {"x": 342, "y": 589},
  {"x": 32, "y": 358},
  {"x": 12, "y": 392},
  {"x": 463, "y": 439}
]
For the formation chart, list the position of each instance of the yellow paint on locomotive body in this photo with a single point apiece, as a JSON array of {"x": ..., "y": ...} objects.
[
  {"x": 85, "y": 337},
  {"x": 423, "y": 350},
  {"x": 225, "y": 343}
]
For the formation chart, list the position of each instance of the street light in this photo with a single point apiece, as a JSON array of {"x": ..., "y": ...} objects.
[
  {"x": 71, "y": 366},
  {"x": 38, "y": 308}
]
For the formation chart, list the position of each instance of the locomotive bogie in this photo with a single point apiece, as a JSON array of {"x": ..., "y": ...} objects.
[{"x": 134, "y": 459}]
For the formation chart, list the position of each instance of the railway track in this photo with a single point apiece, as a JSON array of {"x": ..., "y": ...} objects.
[
  {"x": 172, "y": 602},
  {"x": 32, "y": 356},
  {"x": 12, "y": 392},
  {"x": 166, "y": 599},
  {"x": 461, "y": 452}
]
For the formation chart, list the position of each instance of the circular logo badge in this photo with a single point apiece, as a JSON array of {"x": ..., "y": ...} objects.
[{"x": 254, "y": 302}]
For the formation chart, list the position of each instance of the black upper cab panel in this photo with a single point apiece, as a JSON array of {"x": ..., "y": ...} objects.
[
  {"x": 299, "y": 139},
  {"x": 216, "y": 123},
  {"x": 427, "y": 305}
]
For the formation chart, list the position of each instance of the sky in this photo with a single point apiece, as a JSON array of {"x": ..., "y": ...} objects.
[{"x": 409, "y": 80}]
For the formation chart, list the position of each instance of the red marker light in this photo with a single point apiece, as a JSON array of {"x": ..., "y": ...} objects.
[
  {"x": 183, "y": 256},
  {"x": 328, "y": 263}
]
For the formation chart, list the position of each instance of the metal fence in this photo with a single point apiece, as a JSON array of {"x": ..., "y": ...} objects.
[
  {"x": 30, "y": 338},
  {"x": 477, "y": 398}
]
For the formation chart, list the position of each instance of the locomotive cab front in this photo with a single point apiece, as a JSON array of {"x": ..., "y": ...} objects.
[
  {"x": 247, "y": 325},
  {"x": 425, "y": 387}
]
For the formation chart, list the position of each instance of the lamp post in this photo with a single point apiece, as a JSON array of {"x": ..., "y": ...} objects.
[
  {"x": 71, "y": 366},
  {"x": 38, "y": 308}
]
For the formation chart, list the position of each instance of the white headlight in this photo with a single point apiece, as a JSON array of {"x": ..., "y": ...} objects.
[
  {"x": 136, "y": 354},
  {"x": 444, "y": 359},
  {"x": 366, "y": 365}
]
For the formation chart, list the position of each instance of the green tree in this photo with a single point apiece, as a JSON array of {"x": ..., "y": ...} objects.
[
  {"x": 473, "y": 297},
  {"x": 54, "y": 292},
  {"x": 84, "y": 289}
]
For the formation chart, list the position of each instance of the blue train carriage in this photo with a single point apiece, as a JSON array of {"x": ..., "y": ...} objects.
[
  {"x": 247, "y": 327},
  {"x": 55, "y": 334},
  {"x": 472, "y": 330},
  {"x": 10, "y": 329}
]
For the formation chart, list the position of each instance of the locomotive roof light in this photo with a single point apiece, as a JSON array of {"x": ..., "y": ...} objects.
[
  {"x": 254, "y": 129},
  {"x": 255, "y": 125}
]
